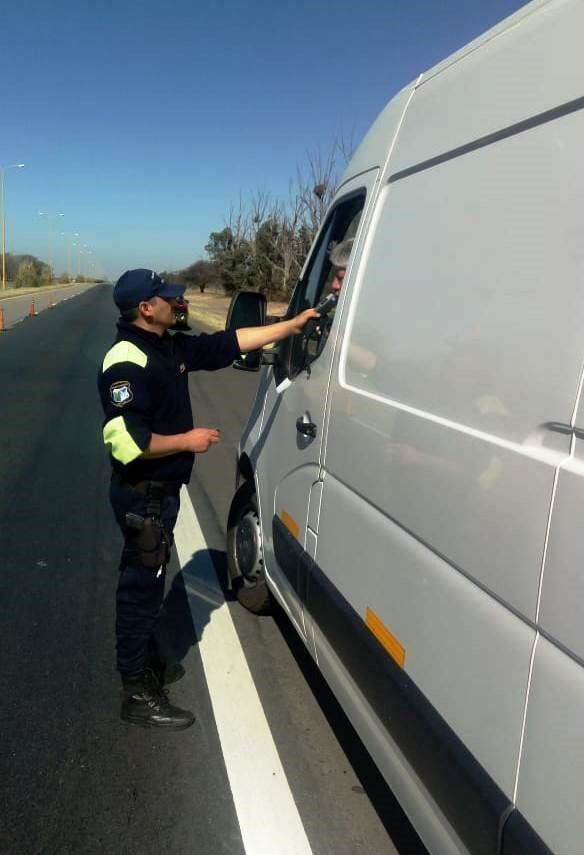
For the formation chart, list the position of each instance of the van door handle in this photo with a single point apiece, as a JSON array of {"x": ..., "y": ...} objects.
[
  {"x": 305, "y": 428},
  {"x": 558, "y": 427},
  {"x": 561, "y": 427}
]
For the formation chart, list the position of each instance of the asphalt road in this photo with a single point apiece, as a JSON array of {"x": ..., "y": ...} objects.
[
  {"x": 18, "y": 307},
  {"x": 73, "y": 778}
]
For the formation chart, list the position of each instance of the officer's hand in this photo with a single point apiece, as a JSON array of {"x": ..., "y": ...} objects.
[
  {"x": 297, "y": 323},
  {"x": 201, "y": 439}
]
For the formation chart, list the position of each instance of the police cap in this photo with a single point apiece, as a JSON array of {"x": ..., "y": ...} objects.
[{"x": 134, "y": 286}]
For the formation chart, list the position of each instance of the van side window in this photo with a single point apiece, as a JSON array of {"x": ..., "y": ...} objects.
[{"x": 341, "y": 224}]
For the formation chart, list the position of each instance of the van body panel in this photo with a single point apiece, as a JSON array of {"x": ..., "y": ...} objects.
[
  {"x": 443, "y": 487},
  {"x": 562, "y": 602},
  {"x": 551, "y": 784},
  {"x": 475, "y": 351},
  {"x": 494, "y": 32},
  {"x": 469, "y": 799},
  {"x": 290, "y": 504},
  {"x": 454, "y": 634},
  {"x": 520, "y": 838},
  {"x": 497, "y": 85},
  {"x": 249, "y": 444},
  {"x": 314, "y": 506},
  {"x": 405, "y": 784},
  {"x": 373, "y": 150},
  {"x": 464, "y": 309},
  {"x": 449, "y": 491},
  {"x": 287, "y": 469}
]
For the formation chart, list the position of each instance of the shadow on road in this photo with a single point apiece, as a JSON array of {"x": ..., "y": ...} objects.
[{"x": 196, "y": 590}]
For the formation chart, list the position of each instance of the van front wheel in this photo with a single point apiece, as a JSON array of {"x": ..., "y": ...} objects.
[{"x": 245, "y": 556}]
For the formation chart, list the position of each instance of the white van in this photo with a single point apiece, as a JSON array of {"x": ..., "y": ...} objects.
[{"x": 419, "y": 513}]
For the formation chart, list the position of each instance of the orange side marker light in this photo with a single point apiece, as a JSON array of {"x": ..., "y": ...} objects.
[
  {"x": 290, "y": 524},
  {"x": 387, "y": 640}
]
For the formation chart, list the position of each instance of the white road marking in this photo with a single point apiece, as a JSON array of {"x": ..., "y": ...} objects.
[{"x": 267, "y": 814}]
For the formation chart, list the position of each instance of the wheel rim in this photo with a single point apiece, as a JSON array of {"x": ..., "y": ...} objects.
[{"x": 248, "y": 547}]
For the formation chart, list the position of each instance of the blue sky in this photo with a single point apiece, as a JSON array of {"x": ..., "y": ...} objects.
[{"x": 143, "y": 121}]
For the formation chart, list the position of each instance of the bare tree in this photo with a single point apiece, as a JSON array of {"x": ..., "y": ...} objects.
[
  {"x": 316, "y": 183},
  {"x": 258, "y": 214},
  {"x": 260, "y": 206},
  {"x": 264, "y": 243},
  {"x": 238, "y": 223},
  {"x": 315, "y": 186},
  {"x": 345, "y": 147},
  {"x": 287, "y": 262}
]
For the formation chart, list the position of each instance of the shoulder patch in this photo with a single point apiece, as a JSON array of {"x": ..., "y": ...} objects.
[{"x": 121, "y": 393}]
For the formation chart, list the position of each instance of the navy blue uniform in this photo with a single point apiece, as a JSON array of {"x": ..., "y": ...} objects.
[
  {"x": 144, "y": 389},
  {"x": 143, "y": 385}
]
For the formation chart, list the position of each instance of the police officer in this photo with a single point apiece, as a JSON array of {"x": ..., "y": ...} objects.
[{"x": 148, "y": 429}]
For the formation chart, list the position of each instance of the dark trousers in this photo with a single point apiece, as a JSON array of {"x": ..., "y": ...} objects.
[{"x": 140, "y": 590}]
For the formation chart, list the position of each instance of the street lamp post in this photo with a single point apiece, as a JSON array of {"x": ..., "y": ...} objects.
[
  {"x": 51, "y": 219},
  {"x": 75, "y": 245},
  {"x": 3, "y": 211},
  {"x": 73, "y": 275},
  {"x": 83, "y": 262},
  {"x": 71, "y": 244}
]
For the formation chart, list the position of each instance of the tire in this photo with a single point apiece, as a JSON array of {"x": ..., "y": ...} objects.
[{"x": 245, "y": 559}]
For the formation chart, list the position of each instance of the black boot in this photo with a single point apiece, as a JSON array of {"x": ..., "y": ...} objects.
[
  {"x": 167, "y": 672},
  {"x": 146, "y": 704}
]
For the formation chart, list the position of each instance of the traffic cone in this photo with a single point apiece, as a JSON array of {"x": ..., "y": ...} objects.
[
  {"x": 2, "y": 321},
  {"x": 32, "y": 311},
  {"x": 50, "y": 304}
]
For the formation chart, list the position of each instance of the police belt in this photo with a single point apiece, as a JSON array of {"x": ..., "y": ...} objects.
[{"x": 145, "y": 488}]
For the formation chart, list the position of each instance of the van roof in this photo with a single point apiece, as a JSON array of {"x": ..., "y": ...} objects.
[
  {"x": 493, "y": 33},
  {"x": 373, "y": 150}
]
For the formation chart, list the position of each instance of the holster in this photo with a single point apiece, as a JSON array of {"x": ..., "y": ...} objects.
[{"x": 145, "y": 538}]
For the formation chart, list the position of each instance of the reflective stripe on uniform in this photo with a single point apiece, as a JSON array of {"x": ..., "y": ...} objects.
[
  {"x": 124, "y": 351},
  {"x": 118, "y": 437}
]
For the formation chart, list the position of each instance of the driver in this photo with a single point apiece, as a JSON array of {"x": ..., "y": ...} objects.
[{"x": 339, "y": 255}]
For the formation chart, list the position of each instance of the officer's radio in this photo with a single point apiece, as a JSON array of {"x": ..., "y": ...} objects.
[{"x": 181, "y": 317}]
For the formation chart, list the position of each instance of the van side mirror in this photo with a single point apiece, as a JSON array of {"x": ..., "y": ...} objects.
[
  {"x": 247, "y": 309},
  {"x": 249, "y": 361}
]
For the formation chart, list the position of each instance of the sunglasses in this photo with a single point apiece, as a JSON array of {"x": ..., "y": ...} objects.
[{"x": 177, "y": 301}]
